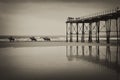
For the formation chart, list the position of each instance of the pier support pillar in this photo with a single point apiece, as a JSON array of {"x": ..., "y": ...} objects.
[
  {"x": 90, "y": 32},
  {"x": 66, "y": 32},
  {"x": 83, "y": 33},
  {"x": 97, "y": 31},
  {"x": 77, "y": 33},
  {"x": 71, "y": 32},
  {"x": 118, "y": 25},
  {"x": 117, "y": 30},
  {"x": 108, "y": 29}
]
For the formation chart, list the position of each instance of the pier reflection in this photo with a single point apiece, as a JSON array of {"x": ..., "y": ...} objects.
[{"x": 108, "y": 56}]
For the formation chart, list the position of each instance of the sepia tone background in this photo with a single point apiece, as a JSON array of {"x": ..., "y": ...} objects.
[{"x": 45, "y": 17}]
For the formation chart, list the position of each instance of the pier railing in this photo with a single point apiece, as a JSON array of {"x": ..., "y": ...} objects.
[{"x": 112, "y": 12}]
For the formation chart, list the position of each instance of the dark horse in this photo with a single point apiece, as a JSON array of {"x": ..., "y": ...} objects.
[
  {"x": 33, "y": 38},
  {"x": 11, "y": 39},
  {"x": 46, "y": 39}
]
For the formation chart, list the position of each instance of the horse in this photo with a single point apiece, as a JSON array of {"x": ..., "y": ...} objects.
[
  {"x": 11, "y": 39},
  {"x": 46, "y": 39},
  {"x": 33, "y": 38}
]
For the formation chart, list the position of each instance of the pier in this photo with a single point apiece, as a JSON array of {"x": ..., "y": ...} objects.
[{"x": 93, "y": 26}]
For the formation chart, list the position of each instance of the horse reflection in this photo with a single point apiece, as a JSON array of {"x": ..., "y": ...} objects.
[{"x": 94, "y": 54}]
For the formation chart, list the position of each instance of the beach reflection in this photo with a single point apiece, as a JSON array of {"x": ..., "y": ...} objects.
[
  {"x": 107, "y": 56},
  {"x": 60, "y": 63}
]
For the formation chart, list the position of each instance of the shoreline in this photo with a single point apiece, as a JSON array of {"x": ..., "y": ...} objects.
[{"x": 38, "y": 44}]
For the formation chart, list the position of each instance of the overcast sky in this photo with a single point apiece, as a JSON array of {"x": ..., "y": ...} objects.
[{"x": 45, "y": 17}]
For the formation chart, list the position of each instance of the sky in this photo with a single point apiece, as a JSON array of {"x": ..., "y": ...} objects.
[{"x": 45, "y": 17}]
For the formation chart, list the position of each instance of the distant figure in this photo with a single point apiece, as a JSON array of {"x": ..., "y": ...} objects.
[
  {"x": 33, "y": 38},
  {"x": 70, "y": 18},
  {"x": 11, "y": 39},
  {"x": 46, "y": 39}
]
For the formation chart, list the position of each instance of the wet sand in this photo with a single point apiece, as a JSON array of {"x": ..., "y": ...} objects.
[{"x": 35, "y": 44}]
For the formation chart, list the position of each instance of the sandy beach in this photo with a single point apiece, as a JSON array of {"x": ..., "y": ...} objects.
[{"x": 37, "y": 44}]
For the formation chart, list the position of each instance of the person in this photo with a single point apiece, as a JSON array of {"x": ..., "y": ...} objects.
[
  {"x": 33, "y": 38},
  {"x": 11, "y": 39},
  {"x": 46, "y": 39}
]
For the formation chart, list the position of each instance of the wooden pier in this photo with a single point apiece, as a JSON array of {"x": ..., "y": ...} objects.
[{"x": 90, "y": 25}]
